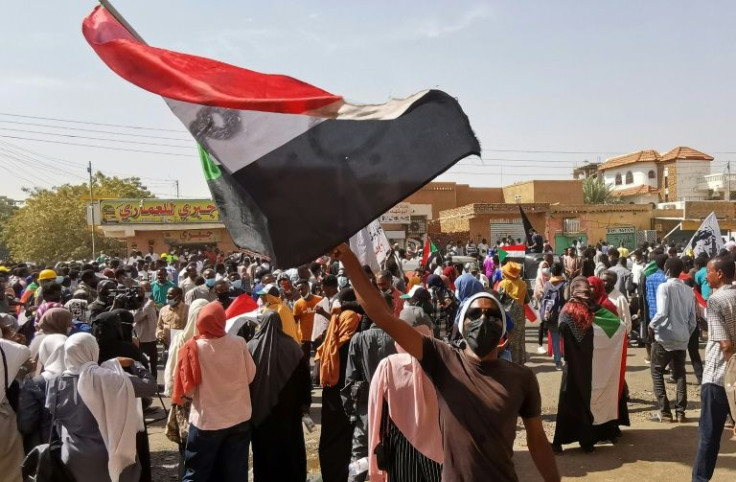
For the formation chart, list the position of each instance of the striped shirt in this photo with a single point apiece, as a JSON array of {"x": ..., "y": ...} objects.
[
  {"x": 721, "y": 316},
  {"x": 653, "y": 281}
]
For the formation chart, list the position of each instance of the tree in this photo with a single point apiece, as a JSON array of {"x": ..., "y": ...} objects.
[
  {"x": 595, "y": 191},
  {"x": 7, "y": 208},
  {"x": 52, "y": 225}
]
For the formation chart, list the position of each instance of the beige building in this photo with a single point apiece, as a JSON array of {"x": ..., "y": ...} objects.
[{"x": 568, "y": 191}]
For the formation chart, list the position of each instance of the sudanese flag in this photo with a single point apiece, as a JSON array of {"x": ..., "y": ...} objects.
[{"x": 294, "y": 169}]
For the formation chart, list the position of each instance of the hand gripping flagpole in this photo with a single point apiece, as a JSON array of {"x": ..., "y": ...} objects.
[{"x": 114, "y": 12}]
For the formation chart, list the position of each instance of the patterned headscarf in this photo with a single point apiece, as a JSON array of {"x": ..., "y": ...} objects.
[{"x": 579, "y": 308}]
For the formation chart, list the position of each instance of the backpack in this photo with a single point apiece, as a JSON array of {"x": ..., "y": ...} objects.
[{"x": 551, "y": 304}]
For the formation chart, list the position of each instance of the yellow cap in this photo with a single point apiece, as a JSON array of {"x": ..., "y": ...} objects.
[{"x": 47, "y": 274}]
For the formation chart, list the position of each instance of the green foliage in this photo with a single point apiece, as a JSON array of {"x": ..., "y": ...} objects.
[
  {"x": 7, "y": 208},
  {"x": 52, "y": 225},
  {"x": 595, "y": 191}
]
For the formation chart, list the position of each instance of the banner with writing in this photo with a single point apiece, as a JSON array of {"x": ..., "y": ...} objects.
[{"x": 156, "y": 211}]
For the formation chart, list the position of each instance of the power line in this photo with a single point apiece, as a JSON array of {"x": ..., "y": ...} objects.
[
  {"x": 56, "y": 119},
  {"x": 99, "y": 147},
  {"x": 104, "y": 139},
  {"x": 99, "y": 131}
]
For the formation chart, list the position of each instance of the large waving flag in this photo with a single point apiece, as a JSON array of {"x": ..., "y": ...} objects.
[
  {"x": 294, "y": 169},
  {"x": 707, "y": 239}
]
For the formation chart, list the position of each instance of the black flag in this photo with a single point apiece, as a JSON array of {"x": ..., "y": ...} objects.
[{"x": 527, "y": 226}]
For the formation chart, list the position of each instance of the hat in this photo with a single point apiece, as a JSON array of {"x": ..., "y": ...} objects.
[
  {"x": 417, "y": 293},
  {"x": 269, "y": 289},
  {"x": 47, "y": 274},
  {"x": 511, "y": 270},
  {"x": 415, "y": 316},
  {"x": 108, "y": 273}
]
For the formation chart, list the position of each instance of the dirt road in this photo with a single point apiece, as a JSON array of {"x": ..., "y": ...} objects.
[{"x": 647, "y": 451}]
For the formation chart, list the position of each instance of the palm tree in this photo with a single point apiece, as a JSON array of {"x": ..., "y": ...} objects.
[{"x": 595, "y": 191}]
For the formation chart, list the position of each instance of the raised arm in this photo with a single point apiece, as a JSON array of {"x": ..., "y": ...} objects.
[{"x": 375, "y": 306}]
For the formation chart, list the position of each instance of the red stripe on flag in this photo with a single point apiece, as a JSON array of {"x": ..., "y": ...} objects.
[
  {"x": 425, "y": 252},
  {"x": 529, "y": 313},
  {"x": 194, "y": 79},
  {"x": 516, "y": 247},
  {"x": 241, "y": 305}
]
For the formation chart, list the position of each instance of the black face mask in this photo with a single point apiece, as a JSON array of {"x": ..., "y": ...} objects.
[{"x": 482, "y": 334}]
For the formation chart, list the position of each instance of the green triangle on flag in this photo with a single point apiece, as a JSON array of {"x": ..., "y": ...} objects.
[
  {"x": 432, "y": 247},
  {"x": 502, "y": 255},
  {"x": 607, "y": 321}
]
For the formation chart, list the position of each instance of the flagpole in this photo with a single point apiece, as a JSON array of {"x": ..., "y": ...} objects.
[{"x": 114, "y": 12}]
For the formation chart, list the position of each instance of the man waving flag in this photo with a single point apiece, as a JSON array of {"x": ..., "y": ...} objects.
[{"x": 280, "y": 153}]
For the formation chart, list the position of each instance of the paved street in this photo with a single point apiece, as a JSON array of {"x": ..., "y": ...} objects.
[{"x": 648, "y": 450}]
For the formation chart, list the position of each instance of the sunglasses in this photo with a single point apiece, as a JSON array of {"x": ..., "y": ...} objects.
[{"x": 476, "y": 313}]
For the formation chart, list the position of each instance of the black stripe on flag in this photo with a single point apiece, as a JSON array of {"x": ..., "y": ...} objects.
[{"x": 326, "y": 184}]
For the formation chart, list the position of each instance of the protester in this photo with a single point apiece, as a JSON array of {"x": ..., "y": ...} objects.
[
  {"x": 550, "y": 307},
  {"x": 619, "y": 300},
  {"x": 444, "y": 304},
  {"x": 95, "y": 407},
  {"x": 367, "y": 349},
  {"x": 271, "y": 299},
  {"x": 34, "y": 419},
  {"x": 467, "y": 286},
  {"x": 161, "y": 287},
  {"x": 112, "y": 330},
  {"x": 572, "y": 264},
  {"x": 304, "y": 310},
  {"x": 215, "y": 371},
  {"x": 13, "y": 355},
  {"x": 280, "y": 394},
  {"x": 145, "y": 319},
  {"x": 53, "y": 321},
  {"x": 478, "y": 426},
  {"x": 670, "y": 328},
  {"x": 718, "y": 351},
  {"x": 173, "y": 316},
  {"x": 336, "y": 435},
  {"x": 403, "y": 417},
  {"x": 591, "y": 404},
  {"x": 515, "y": 288}
]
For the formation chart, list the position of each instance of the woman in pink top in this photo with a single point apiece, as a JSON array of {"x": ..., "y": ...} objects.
[
  {"x": 404, "y": 419},
  {"x": 215, "y": 370}
]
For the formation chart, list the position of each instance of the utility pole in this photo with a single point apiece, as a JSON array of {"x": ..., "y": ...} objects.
[
  {"x": 177, "y": 189},
  {"x": 91, "y": 208},
  {"x": 727, "y": 196}
]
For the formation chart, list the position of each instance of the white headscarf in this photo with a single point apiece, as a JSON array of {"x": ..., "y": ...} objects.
[
  {"x": 190, "y": 330},
  {"x": 51, "y": 355},
  {"x": 80, "y": 349},
  {"x": 15, "y": 355},
  {"x": 108, "y": 394},
  {"x": 469, "y": 301}
]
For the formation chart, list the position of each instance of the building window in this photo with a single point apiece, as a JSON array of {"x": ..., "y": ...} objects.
[
  {"x": 618, "y": 179},
  {"x": 629, "y": 178},
  {"x": 651, "y": 175},
  {"x": 571, "y": 225}
]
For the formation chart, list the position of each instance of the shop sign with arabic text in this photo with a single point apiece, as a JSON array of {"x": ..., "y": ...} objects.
[{"x": 155, "y": 211}]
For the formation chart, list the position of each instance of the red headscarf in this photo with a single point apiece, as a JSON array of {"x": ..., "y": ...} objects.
[
  {"x": 578, "y": 307},
  {"x": 600, "y": 296},
  {"x": 188, "y": 375}
]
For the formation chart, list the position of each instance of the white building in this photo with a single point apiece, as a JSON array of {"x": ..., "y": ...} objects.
[
  {"x": 647, "y": 176},
  {"x": 634, "y": 177}
]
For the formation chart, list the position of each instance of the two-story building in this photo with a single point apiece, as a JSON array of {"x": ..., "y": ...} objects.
[{"x": 650, "y": 177}]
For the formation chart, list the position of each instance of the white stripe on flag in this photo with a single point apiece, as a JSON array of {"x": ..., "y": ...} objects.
[{"x": 606, "y": 374}]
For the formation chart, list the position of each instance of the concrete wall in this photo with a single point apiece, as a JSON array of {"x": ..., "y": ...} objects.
[
  {"x": 449, "y": 195},
  {"x": 595, "y": 219},
  {"x": 571, "y": 191},
  {"x": 640, "y": 170},
  {"x": 689, "y": 174}
]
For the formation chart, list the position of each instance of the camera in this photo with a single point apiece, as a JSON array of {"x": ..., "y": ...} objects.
[{"x": 127, "y": 298}]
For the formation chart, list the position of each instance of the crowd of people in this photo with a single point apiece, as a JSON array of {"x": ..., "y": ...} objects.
[{"x": 422, "y": 372}]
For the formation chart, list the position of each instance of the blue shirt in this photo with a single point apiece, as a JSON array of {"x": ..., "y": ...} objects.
[
  {"x": 674, "y": 321},
  {"x": 702, "y": 282},
  {"x": 158, "y": 292},
  {"x": 653, "y": 281}
]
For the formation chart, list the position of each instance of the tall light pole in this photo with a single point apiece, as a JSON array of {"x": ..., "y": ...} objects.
[{"x": 91, "y": 208}]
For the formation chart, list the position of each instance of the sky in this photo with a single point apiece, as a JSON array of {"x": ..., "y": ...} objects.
[{"x": 547, "y": 85}]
